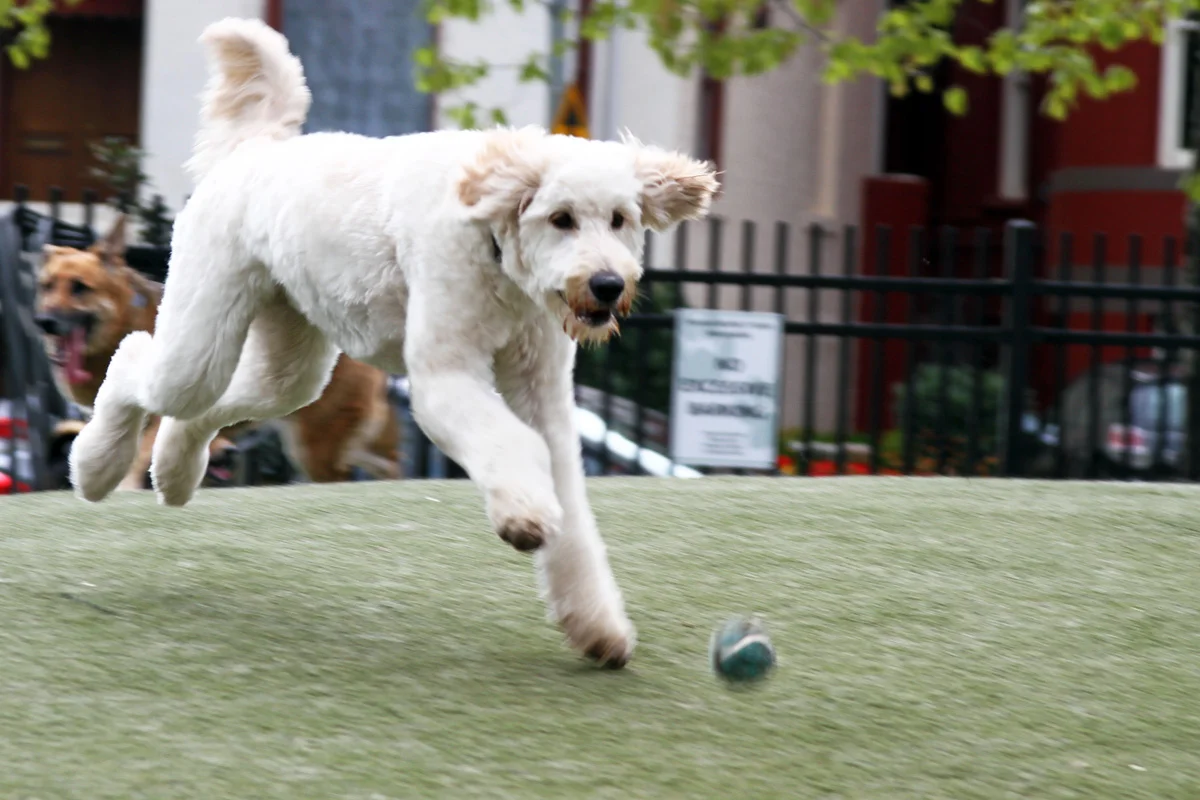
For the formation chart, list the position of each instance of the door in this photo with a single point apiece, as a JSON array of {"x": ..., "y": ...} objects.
[{"x": 88, "y": 88}]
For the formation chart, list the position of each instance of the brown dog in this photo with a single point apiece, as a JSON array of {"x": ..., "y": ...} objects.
[{"x": 89, "y": 300}]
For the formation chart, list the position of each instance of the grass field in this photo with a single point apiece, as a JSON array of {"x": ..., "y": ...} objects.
[{"x": 937, "y": 639}]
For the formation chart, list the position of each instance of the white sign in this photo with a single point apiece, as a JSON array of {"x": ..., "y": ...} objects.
[{"x": 725, "y": 388}]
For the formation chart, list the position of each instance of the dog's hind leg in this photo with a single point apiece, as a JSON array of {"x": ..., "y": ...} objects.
[
  {"x": 285, "y": 364},
  {"x": 207, "y": 306}
]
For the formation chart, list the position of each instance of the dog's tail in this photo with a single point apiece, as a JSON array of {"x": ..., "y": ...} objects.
[{"x": 256, "y": 89}]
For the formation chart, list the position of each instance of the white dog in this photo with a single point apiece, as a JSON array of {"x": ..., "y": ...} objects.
[{"x": 472, "y": 261}]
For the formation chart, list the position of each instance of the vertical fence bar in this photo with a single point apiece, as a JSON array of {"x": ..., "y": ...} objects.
[
  {"x": 1131, "y": 309},
  {"x": 1167, "y": 363},
  {"x": 815, "y": 237},
  {"x": 781, "y": 257},
  {"x": 883, "y": 242},
  {"x": 975, "y": 410},
  {"x": 1019, "y": 241},
  {"x": 1065, "y": 257},
  {"x": 606, "y": 408},
  {"x": 916, "y": 247},
  {"x": 681, "y": 264},
  {"x": 849, "y": 258},
  {"x": 782, "y": 232},
  {"x": 89, "y": 209},
  {"x": 639, "y": 357},
  {"x": 648, "y": 263},
  {"x": 20, "y": 198},
  {"x": 1192, "y": 312},
  {"x": 749, "y": 232},
  {"x": 56, "y": 198},
  {"x": 681, "y": 259},
  {"x": 714, "y": 256},
  {"x": 946, "y": 301},
  {"x": 1099, "y": 262}
]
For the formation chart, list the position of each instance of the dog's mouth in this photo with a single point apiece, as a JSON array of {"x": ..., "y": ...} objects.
[
  {"x": 592, "y": 317},
  {"x": 587, "y": 322},
  {"x": 68, "y": 350},
  {"x": 221, "y": 469}
]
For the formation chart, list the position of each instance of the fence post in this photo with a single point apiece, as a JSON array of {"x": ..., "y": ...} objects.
[{"x": 1019, "y": 240}]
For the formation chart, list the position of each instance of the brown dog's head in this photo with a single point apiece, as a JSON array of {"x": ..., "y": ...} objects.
[{"x": 88, "y": 300}]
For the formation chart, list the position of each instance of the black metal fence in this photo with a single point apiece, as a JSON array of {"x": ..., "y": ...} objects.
[
  {"x": 986, "y": 338},
  {"x": 908, "y": 352}
]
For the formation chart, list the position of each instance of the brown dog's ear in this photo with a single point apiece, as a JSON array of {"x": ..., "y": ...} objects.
[
  {"x": 51, "y": 250},
  {"x": 505, "y": 174},
  {"x": 675, "y": 187},
  {"x": 111, "y": 248}
]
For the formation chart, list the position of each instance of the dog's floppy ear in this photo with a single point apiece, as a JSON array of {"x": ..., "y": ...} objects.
[
  {"x": 675, "y": 187},
  {"x": 111, "y": 248},
  {"x": 503, "y": 177}
]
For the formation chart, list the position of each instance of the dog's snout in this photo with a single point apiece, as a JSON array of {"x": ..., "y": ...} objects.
[
  {"x": 49, "y": 324},
  {"x": 606, "y": 287}
]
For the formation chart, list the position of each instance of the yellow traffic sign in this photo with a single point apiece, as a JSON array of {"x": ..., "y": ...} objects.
[{"x": 571, "y": 118}]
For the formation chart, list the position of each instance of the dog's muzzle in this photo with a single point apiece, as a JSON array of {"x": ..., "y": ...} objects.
[
  {"x": 68, "y": 334},
  {"x": 596, "y": 303}
]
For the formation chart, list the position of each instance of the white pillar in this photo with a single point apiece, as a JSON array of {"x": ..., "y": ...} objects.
[{"x": 173, "y": 75}]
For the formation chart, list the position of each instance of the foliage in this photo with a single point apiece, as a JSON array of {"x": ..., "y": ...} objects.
[
  {"x": 649, "y": 384},
  {"x": 23, "y": 29},
  {"x": 120, "y": 167},
  {"x": 156, "y": 224},
  {"x": 1056, "y": 38},
  {"x": 935, "y": 429}
]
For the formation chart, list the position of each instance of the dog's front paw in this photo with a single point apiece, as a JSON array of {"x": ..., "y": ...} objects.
[
  {"x": 608, "y": 639},
  {"x": 522, "y": 521}
]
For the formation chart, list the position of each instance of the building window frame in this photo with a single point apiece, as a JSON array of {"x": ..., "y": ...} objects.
[{"x": 1172, "y": 104}]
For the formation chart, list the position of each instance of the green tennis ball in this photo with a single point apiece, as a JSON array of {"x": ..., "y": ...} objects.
[{"x": 741, "y": 651}]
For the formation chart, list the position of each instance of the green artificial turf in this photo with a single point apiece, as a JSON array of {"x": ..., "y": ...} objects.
[{"x": 937, "y": 639}]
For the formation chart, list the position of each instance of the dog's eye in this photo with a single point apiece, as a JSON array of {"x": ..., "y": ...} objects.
[
  {"x": 562, "y": 220},
  {"x": 79, "y": 287},
  {"x": 618, "y": 220}
]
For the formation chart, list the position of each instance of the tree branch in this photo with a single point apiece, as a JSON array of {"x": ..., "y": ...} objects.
[{"x": 790, "y": 11}]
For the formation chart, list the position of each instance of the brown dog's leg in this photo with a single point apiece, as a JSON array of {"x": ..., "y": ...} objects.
[
  {"x": 325, "y": 428},
  {"x": 135, "y": 479}
]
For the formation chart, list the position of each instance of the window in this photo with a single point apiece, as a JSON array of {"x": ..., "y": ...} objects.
[{"x": 1176, "y": 109}]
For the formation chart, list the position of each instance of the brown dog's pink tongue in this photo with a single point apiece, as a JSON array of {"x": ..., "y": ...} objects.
[{"x": 75, "y": 342}]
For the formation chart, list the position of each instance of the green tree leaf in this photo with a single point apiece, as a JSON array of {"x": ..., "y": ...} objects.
[{"x": 955, "y": 100}]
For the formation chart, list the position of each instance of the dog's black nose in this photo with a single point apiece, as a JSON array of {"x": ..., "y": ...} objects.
[
  {"x": 49, "y": 324},
  {"x": 606, "y": 286}
]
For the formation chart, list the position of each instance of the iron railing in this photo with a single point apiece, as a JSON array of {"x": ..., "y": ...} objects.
[{"x": 950, "y": 352}]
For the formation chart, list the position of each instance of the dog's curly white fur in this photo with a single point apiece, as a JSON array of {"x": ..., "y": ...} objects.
[{"x": 295, "y": 247}]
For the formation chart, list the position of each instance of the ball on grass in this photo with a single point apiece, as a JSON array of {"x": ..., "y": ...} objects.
[{"x": 741, "y": 651}]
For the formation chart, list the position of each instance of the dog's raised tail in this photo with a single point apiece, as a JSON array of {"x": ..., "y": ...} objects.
[{"x": 256, "y": 89}]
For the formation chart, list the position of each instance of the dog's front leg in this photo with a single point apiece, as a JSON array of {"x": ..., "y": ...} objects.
[
  {"x": 456, "y": 405},
  {"x": 581, "y": 591}
]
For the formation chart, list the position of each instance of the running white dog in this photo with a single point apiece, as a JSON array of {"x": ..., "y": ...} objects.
[{"x": 470, "y": 260}]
